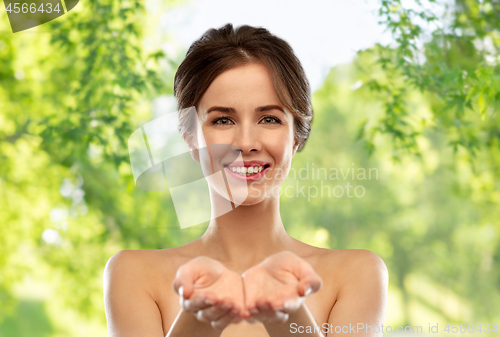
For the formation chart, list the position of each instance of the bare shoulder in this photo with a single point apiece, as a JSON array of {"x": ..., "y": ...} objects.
[
  {"x": 362, "y": 280},
  {"x": 135, "y": 263},
  {"x": 353, "y": 259},
  {"x": 143, "y": 266},
  {"x": 134, "y": 281},
  {"x": 355, "y": 263},
  {"x": 127, "y": 261},
  {"x": 347, "y": 263},
  {"x": 128, "y": 301}
]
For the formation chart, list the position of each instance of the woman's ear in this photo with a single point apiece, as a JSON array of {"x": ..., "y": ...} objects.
[
  {"x": 188, "y": 138},
  {"x": 295, "y": 147}
]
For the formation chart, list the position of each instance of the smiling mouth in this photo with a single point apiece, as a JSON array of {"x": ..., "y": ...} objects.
[{"x": 247, "y": 171}]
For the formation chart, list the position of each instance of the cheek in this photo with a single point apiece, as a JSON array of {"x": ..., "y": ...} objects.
[
  {"x": 282, "y": 149},
  {"x": 212, "y": 135},
  {"x": 287, "y": 141}
]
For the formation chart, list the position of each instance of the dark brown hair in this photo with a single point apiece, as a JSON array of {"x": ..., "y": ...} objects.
[{"x": 221, "y": 49}]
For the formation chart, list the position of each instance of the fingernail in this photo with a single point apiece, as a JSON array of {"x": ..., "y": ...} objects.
[
  {"x": 254, "y": 311},
  {"x": 289, "y": 304},
  {"x": 209, "y": 301},
  {"x": 308, "y": 291}
]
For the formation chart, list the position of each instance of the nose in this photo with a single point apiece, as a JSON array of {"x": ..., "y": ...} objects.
[{"x": 247, "y": 140}]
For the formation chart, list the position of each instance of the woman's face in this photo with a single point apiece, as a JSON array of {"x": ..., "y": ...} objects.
[{"x": 241, "y": 109}]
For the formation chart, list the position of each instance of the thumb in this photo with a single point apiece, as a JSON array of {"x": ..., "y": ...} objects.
[
  {"x": 183, "y": 283},
  {"x": 309, "y": 285}
]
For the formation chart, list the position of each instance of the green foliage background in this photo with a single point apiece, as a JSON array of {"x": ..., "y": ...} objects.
[{"x": 423, "y": 112}]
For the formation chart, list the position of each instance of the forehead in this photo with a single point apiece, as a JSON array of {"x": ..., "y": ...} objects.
[{"x": 245, "y": 86}]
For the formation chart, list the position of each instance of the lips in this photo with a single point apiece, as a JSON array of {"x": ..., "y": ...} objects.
[
  {"x": 247, "y": 163},
  {"x": 247, "y": 170}
]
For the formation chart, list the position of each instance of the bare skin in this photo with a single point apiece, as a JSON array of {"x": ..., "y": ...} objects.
[{"x": 244, "y": 247}]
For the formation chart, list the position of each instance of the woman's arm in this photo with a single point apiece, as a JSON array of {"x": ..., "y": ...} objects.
[
  {"x": 362, "y": 299},
  {"x": 187, "y": 325},
  {"x": 296, "y": 324},
  {"x": 132, "y": 311}
]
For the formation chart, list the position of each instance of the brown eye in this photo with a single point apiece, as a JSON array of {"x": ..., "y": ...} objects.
[
  {"x": 222, "y": 121},
  {"x": 271, "y": 120}
]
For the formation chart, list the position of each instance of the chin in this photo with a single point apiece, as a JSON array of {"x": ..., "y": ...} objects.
[
  {"x": 251, "y": 201},
  {"x": 247, "y": 196},
  {"x": 257, "y": 197}
]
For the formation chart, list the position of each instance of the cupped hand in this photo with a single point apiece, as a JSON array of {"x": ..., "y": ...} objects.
[
  {"x": 211, "y": 292},
  {"x": 278, "y": 286}
]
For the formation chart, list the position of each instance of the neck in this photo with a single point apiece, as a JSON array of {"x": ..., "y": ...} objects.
[{"x": 246, "y": 235}]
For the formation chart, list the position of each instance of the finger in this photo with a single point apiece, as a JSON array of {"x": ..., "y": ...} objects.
[
  {"x": 279, "y": 318},
  {"x": 230, "y": 303},
  {"x": 292, "y": 305},
  {"x": 308, "y": 277},
  {"x": 183, "y": 282},
  {"x": 214, "y": 312},
  {"x": 267, "y": 314},
  {"x": 230, "y": 317},
  {"x": 263, "y": 312},
  {"x": 309, "y": 284},
  {"x": 251, "y": 320},
  {"x": 251, "y": 303},
  {"x": 211, "y": 297},
  {"x": 250, "y": 306},
  {"x": 244, "y": 312},
  {"x": 277, "y": 303},
  {"x": 195, "y": 304},
  {"x": 258, "y": 315},
  {"x": 237, "y": 304}
]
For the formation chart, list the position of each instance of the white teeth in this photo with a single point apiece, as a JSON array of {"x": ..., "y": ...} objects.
[{"x": 246, "y": 171}]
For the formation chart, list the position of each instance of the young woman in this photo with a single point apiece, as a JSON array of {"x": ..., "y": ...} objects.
[{"x": 245, "y": 276}]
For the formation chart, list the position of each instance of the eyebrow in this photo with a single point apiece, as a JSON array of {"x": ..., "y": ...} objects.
[{"x": 258, "y": 109}]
